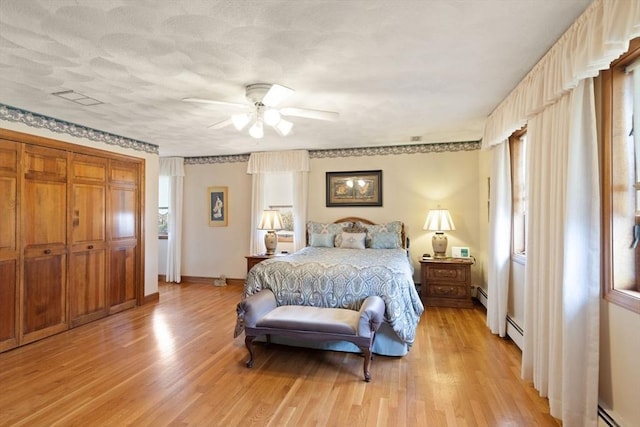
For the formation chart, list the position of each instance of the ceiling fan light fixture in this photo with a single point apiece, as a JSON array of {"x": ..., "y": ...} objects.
[
  {"x": 276, "y": 94},
  {"x": 271, "y": 117},
  {"x": 257, "y": 130},
  {"x": 240, "y": 120},
  {"x": 283, "y": 127}
]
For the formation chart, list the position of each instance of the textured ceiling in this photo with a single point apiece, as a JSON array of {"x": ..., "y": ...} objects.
[{"x": 392, "y": 69}]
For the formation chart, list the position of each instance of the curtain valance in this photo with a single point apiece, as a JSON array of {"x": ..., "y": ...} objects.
[
  {"x": 598, "y": 36},
  {"x": 279, "y": 161},
  {"x": 171, "y": 166}
]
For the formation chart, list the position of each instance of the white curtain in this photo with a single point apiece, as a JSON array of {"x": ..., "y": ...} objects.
[
  {"x": 174, "y": 168},
  {"x": 597, "y": 37},
  {"x": 499, "y": 239},
  {"x": 300, "y": 196},
  {"x": 581, "y": 299},
  {"x": 295, "y": 162},
  {"x": 562, "y": 273}
]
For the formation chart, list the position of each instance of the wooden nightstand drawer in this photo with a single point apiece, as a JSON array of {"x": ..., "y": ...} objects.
[
  {"x": 447, "y": 291},
  {"x": 449, "y": 273},
  {"x": 255, "y": 259}
]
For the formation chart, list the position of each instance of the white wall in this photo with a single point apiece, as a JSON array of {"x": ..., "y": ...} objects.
[
  {"x": 150, "y": 242},
  {"x": 619, "y": 367},
  {"x": 215, "y": 251},
  {"x": 484, "y": 172}
]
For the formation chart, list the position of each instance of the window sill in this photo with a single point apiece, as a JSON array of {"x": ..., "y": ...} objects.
[
  {"x": 628, "y": 299},
  {"x": 519, "y": 259},
  {"x": 163, "y": 237}
]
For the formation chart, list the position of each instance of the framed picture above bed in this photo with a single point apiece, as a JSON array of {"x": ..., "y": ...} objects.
[
  {"x": 357, "y": 188},
  {"x": 218, "y": 206}
]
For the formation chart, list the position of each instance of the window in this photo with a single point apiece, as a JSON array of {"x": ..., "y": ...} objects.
[
  {"x": 278, "y": 194},
  {"x": 620, "y": 109},
  {"x": 163, "y": 207},
  {"x": 518, "y": 149}
]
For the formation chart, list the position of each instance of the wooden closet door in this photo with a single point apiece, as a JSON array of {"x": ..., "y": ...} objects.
[
  {"x": 44, "y": 220},
  {"x": 87, "y": 224},
  {"x": 123, "y": 234},
  {"x": 9, "y": 254}
]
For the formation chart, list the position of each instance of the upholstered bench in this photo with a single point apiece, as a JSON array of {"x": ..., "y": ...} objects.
[{"x": 260, "y": 315}]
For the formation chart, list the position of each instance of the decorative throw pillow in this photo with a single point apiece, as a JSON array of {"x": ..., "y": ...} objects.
[
  {"x": 322, "y": 240},
  {"x": 390, "y": 227},
  {"x": 353, "y": 240},
  {"x": 384, "y": 240},
  {"x": 349, "y": 228},
  {"x": 324, "y": 228}
]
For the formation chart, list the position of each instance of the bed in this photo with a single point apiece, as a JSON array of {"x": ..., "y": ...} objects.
[{"x": 345, "y": 262}]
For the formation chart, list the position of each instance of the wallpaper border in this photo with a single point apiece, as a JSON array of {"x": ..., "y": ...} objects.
[
  {"x": 13, "y": 114},
  {"x": 437, "y": 147}
]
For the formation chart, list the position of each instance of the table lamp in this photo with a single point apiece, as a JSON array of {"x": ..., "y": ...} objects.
[
  {"x": 270, "y": 221},
  {"x": 439, "y": 220}
]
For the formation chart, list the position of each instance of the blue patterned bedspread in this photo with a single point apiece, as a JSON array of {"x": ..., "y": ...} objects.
[{"x": 335, "y": 277}]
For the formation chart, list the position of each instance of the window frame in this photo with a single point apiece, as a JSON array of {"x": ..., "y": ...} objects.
[
  {"x": 163, "y": 211},
  {"x": 627, "y": 298},
  {"x": 517, "y": 255}
]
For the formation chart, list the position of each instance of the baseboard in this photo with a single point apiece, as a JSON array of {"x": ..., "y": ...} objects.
[
  {"x": 151, "y": 298},
  {"x": 204, "y": 280}
]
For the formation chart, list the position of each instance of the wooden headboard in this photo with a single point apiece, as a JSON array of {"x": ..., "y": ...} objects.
[{"x": 405, "y": 243}]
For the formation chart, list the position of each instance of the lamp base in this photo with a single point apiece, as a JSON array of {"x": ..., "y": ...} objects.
[
  {"x": 439, "y": 242},
  {"x": 271, "y": 242}
]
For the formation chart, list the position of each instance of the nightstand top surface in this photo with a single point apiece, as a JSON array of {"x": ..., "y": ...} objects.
[{"x": 447, "y": 260}]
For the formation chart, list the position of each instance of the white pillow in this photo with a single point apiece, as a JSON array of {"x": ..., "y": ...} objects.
[{"x": 353, "y": 240}]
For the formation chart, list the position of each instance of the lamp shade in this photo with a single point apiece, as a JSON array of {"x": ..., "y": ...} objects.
[
  {"x": 270, "y": 220},
  {"x": 439, "y": 220}
]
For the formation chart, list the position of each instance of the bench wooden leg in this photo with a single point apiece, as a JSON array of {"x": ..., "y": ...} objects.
[
  {"x": 248, "y": 342},
  {"x": 367, "y": 362}
]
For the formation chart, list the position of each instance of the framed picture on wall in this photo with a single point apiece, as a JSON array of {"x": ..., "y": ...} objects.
[
  {"x": 218, "y": 206},
  {"x": 361, "y": 188}
]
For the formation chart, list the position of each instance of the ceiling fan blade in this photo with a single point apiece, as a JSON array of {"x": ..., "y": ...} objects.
[
  {"x": 310, "y": 114},
  {"x": 220, "y": 125},
  {"x": 276, "y": 95},
  {"x": 213, "y": 101}
]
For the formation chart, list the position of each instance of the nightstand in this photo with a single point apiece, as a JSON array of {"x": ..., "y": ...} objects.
[
  {"x": 446, "y": 282},
  {"x": 256, "y": 259}
]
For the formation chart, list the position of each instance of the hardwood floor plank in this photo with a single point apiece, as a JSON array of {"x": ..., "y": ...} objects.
[{"x": 176, "y": 363}]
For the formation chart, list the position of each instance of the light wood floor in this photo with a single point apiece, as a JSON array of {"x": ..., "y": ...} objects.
[{"x": 176, "y": 363}]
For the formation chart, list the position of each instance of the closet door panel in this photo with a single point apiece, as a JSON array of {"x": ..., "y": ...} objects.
[
  {"x": 45, "y": 218},
  {"x": 87, "y": 285},
  {"x": 123, "y": 220},
  {"x": 44, "y": 237},
  {"x": 122, "y": 278},
  {"x": 88, "y": 259},
  {"x": 44, "y": 296},
  {"x": 9, "y": 252},
  {"x": 8, "y": 303},
  {"x": 123, "y": 213}
]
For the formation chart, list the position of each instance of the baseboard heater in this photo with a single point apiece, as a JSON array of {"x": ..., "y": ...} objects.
[{"x": 606, "y": 418}]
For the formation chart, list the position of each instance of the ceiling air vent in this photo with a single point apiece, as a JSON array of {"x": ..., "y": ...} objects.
[{"x": 77, "y": 97}]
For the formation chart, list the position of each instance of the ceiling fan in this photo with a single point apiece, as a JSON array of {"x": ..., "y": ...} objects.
[{"x": 264, "y": 99}]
